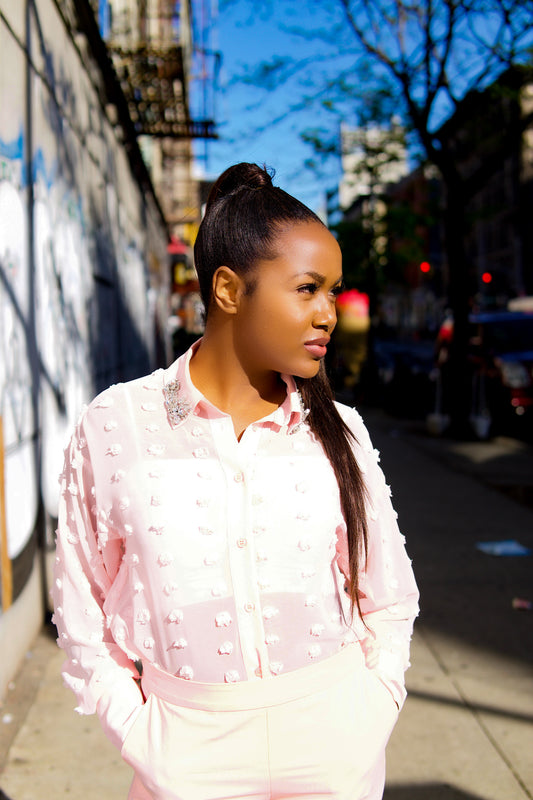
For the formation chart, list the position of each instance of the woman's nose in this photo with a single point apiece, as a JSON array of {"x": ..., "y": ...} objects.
[{"x": 326, "y": 316}]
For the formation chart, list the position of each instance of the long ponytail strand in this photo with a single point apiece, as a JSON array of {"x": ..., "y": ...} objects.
[{"x": 337, "y": 439}]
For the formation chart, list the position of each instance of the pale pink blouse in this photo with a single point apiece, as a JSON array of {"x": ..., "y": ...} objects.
[{"x": 218, "y": 560}]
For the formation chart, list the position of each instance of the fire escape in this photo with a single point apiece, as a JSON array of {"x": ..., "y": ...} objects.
[
  {"x": 150, "y": 43},
  {"x": 150, "y": 46}
]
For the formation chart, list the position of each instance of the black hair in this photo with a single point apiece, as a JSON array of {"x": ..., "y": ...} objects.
[{"x": 245, "y": 213}]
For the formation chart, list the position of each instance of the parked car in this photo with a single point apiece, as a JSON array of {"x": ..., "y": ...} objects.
[
  {"x": 500, "y": 355},
  {"x": 502, "y": 361}
]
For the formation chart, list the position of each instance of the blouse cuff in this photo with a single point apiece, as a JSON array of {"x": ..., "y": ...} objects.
[{"x": 389, "y": 666}]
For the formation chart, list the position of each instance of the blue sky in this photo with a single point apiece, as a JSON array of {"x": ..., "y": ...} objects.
[
  {"x": 245, "y": 113},
  {"x": 249, "y": 33},
  {"x": 255, "y": 124}
]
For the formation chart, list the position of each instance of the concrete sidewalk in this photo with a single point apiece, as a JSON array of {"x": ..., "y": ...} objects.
[{"x": 466, "y": 732}]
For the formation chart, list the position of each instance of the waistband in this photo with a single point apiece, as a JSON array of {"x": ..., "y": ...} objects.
[{"x": 253, "y": 694}]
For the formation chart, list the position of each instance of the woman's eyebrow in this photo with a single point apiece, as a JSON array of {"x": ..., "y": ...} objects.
[{"x": 317, "y": 276}]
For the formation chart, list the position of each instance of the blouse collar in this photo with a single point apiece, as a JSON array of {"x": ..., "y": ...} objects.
[{"x": 182, "y": 398}]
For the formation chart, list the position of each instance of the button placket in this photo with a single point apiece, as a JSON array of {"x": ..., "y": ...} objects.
[
  {"x": 236, "y": 459},
  {"x": 243, "y": 574}
]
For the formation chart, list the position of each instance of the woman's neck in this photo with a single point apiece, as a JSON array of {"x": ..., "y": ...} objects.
[{"x": 216, "y": 372}]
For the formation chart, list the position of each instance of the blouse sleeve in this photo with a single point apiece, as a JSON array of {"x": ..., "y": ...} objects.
[
  {"x": 96, "y": 669},
  {"x": 388, "y": 591}
]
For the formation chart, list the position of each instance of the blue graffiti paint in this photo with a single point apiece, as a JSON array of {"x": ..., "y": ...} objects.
[
  {"x": 14, "y": 151},
  {"x": 40, "y": 169}
]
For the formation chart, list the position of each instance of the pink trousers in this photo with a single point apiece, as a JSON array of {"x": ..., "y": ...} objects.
[{"x": 317, "y": 732}]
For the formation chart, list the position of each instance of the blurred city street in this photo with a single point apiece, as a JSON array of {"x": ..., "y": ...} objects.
[
  {"x": 407, "y": 129},
  {"x": 466, "y": 731}
]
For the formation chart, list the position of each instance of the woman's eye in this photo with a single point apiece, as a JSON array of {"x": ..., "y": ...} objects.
[{"x": 308, "y": 288}]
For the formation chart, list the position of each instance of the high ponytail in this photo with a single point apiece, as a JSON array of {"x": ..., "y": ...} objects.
[
  {"x": 236, "y": 178},
  {"x": 245, "y": 213}
]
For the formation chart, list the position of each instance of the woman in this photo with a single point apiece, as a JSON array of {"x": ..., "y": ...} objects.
[{"x": 225, "y": 525}]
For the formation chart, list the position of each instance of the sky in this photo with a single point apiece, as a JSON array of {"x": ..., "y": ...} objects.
[
  {"x": 253, "y": 123},
  {"x": 246, "y": 115}
]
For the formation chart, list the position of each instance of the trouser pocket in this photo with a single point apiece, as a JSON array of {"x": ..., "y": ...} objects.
[{"x": 149, "y": 744}]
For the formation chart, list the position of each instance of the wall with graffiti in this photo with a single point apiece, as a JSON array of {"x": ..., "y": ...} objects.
[{"x": 82, "y": 269}]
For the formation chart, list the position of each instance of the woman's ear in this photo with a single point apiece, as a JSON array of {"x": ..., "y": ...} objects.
[{"x": 227, "y": 288}]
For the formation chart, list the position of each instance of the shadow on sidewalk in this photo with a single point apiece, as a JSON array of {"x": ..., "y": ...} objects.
[
  {"x": 445, "y": 512},
  {"x": 427, "y": 791},
  {"x": 477, "y": 708}
]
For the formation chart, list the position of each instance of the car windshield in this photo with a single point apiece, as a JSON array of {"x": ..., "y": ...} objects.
[{"x": 508, "y": 335}]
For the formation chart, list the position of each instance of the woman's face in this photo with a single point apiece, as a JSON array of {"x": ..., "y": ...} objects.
[{"x": 285, "y": 323}]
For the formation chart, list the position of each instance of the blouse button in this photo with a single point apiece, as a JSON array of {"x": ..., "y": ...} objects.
[
  {"x": 238, "y": 477},
  {"x": 242, "y": 543},
  {"x": 259, "y": 672},
  {"x": 249, "y": 607}
]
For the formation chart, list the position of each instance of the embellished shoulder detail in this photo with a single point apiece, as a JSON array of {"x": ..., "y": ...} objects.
[
  {"x": 304, "y": 413},
  {"x": 178, "y": 407}
]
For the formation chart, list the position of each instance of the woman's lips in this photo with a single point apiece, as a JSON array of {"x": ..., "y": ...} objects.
[{"x": 317, "y": 349}]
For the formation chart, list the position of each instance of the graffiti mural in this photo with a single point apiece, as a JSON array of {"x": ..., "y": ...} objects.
[
  {"x": 16, "y": 380},
  {"x": 83, "y": 270},
  {"x": 63, "y": 281}
]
